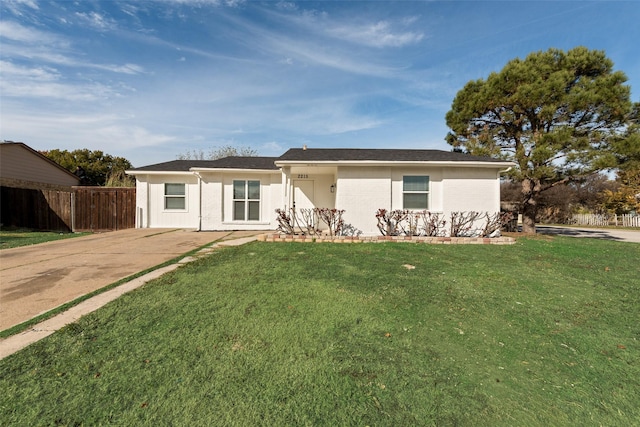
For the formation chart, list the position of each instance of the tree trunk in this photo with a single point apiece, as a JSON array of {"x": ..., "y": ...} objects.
[{"x": 530, "y": 191}]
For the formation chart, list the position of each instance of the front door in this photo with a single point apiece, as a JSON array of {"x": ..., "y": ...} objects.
[
  {"x": 303, "y": 195},
  {"x": 302, "y": 205}
]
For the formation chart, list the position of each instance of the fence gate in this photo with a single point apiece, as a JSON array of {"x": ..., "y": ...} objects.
[{"x": 103, "y": 209}]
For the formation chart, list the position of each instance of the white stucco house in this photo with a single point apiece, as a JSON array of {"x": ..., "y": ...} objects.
[{"x": 242, "y": 193}]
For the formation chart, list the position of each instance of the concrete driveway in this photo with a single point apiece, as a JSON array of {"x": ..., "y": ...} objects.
[
  {"x": 595, "y": 233},
  {"x": 35, "y": 279}
]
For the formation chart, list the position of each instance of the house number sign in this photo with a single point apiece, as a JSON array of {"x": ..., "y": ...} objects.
[{"x": 303, "y": 176}]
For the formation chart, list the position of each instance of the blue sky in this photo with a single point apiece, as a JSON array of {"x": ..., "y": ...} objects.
[{"x": 148, "y": 80}]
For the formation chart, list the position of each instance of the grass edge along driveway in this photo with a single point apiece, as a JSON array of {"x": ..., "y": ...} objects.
[{"x": 544, "y": 332}]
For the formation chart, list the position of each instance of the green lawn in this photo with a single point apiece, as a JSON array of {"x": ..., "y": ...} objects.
[
  {"x": 544, "y": 332},
  {"x": 13, "y": 238}
]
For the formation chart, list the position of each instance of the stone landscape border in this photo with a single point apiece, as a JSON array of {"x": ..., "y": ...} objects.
[{"x": 302, "y": 238}]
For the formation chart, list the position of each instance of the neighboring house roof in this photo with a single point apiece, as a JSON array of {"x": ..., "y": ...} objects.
[
  {"x": 233, "y": 162},
  {"x": 19, "y": 162},
  {"x": 379, "y": 155}
]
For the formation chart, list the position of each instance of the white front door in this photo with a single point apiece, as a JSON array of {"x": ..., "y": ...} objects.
[{"x": 303, "y": 195}]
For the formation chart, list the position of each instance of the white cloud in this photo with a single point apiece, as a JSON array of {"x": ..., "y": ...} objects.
[
  {"x": 122, "y": 69},
  {"x": 19, "y": 33},
  {"x": 327, "y": 116},
  {"x": 46, "y": 82},
  {"x": 314, "y": 52},
  {"x": 379, "y": 34},
  {"x": 15, "y": 6},
  {"x": 372, "y": 33},
  {"x": 40, "y": 46},
  {"x": 30, "y": 3},
  {"x": 316, "y": 38},
  {"x": 326, "y": 56},
  {"x": 108, "y": 132},
  {"x": 120, "y": 135},
  {"x": 9, "y": 70},
  {"x": 97, "y": 21},
  {"x": 230, "y": 3},
  {"x": 286, "y": 5},
  {"x": 272, "y": 147}
]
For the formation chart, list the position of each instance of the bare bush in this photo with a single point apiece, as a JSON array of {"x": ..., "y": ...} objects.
[
  {"x": 285, "y": 222},
  {"x": 496, "y": 222},
  {"x": 432, "y": 224},
  {"x": 390, "y": 222},
  {"x": 333, "y": 219},
  {"x": 307, "y": 220},
  {"x": 462, "y": 223}
]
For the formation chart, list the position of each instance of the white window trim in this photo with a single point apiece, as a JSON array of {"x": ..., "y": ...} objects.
[
  {"x": 166, "y": 196},
  {"x": 427, "y": 192},
  {"x": 246, "y": 201}
]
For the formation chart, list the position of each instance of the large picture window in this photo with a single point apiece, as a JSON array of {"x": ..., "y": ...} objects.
[
  {"x": 246, "y": 200},
  {"x": 175, "y": 196},
  {"x": 415, "y": 192}
]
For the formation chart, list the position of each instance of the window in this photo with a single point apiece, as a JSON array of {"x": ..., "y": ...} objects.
[
  {"x": 174, "y": 196},
  {"x": 415, "y": 192},
  {"x": 246, "y": 200}
]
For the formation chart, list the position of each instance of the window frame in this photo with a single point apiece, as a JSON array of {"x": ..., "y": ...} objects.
[
  {"x": 426, "y": 192},
  {"x": 169, "y": 196},
  {"x": 246, "y": 200}
]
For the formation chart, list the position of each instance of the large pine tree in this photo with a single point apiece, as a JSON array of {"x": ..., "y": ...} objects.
[{"x": 558, "y": 115}]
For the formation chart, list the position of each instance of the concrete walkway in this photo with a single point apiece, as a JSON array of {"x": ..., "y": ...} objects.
[{"x": 39, "y": 278}]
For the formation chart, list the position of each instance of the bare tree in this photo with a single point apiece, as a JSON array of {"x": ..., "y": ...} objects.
[{"x": 217, "y": 153}]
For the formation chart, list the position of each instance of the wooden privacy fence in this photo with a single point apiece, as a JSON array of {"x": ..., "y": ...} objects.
[
  {"x": 81, "y": 209},
  {"x": 102, "y": 208},
  {"x": 37, "y": 209},
  {"x": 606, "y": 219}
]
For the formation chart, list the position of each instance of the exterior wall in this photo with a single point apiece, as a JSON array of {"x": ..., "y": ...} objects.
[
  {"x": 361, "y": 191},
  {"x": 150, "y": 211},
  {"x": 471, "y": 189},
  {"x": 321, "y": 177},
  {"x": 436, "y": 192},
  {"x": 270, "y": 197},
  {"x": 323, "y": 197},
  {"x": 19, "y": 164},
  {"x": 142, "y": 205},
  {"x": 211, "y": 201}
]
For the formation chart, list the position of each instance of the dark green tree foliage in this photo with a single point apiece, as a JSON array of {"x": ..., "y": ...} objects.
[
  {"x": 98, "y": 166},
  {"x": 560, "y": 116}
]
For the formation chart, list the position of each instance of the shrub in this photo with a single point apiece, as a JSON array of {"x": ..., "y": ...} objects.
[
  {"x": 424, "y": 223},
  {"x": 307, "y": 221}
]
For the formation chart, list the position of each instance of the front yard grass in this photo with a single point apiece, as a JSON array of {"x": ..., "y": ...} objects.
[
  {"x": 15, "y": 237},
  {"x": 544, "y": 332}
]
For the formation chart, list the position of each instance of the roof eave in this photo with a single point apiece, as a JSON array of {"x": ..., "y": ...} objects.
[
  {"x": 447, "y": 163},
  {"x": 241, "y": 170},
  {"x": 156, "y": 172},
  {"x": 191, "y": 171}
]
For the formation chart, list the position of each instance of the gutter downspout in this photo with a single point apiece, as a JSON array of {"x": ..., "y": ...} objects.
[
  {"x": 147, "y": 213},
  {"x": 199, "y": 228}
]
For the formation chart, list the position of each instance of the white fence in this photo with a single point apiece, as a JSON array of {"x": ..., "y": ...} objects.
[{"x": 605, "y": 219}]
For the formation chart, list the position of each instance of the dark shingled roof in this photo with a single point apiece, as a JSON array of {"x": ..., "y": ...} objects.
[
  {"x": 232, "y": 162},
  {"x": 318, "y": 155},
  {"x": 388, "y": 155}
]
